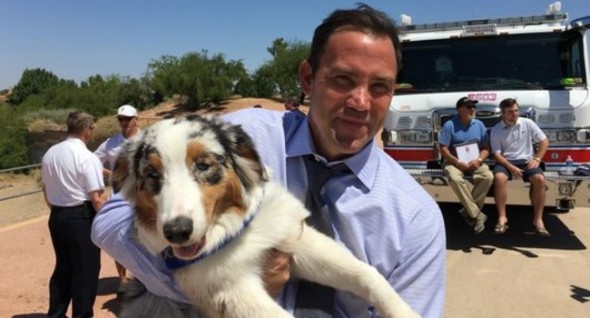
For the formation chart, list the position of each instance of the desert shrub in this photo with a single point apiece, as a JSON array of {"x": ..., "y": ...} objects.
[{"x": 57, "y": 116}]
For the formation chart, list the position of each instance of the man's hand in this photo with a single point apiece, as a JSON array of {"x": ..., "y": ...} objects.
[
  {"x": 276, "y": 271},
  {"x": 463, "y": 166},
  {"x": 532, "y": 164},
  {"x": 475, "y": 164},
  {"x": 516, "y": 173}
]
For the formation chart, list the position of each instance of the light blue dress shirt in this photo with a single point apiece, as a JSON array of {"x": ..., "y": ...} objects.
[{"x": 380, "y": 213}]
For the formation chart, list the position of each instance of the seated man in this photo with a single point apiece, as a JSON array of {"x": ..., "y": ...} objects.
[
  {"x": 462, "y": 130},
  {"x": 512, "y": 144}
]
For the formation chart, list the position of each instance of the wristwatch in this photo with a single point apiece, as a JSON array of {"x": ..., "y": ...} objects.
[
  {"x": 537, "y": 159},
  {"x": 480, "y": 160}
]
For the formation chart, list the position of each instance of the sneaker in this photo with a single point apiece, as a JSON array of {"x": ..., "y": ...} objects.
[
  {"x": 466, "y": 217},
  {"x": 479, "y": 225}
]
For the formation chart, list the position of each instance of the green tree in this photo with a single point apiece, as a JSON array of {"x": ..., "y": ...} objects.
[
  {"x": 264, "y": 81},
  {"x": 284, "y": 66},
  {"x": 196, "y": 76},
  {"x": 162, "y": 75},
  {"x": 246, "y": 87},
  {"x": 32, "y": 82},
  {"x": 13, "y": 142},
  {"x": 136, "y": 92}
]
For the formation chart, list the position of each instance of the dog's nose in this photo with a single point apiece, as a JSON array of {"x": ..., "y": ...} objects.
[{"x": 178, "y": 230}]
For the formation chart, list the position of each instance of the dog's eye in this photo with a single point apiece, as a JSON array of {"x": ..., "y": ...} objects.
[
  {"x": 153, "y": 174},
  {"x": 201, "y": 166}
]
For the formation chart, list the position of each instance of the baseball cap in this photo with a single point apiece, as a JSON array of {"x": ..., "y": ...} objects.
[
  {"x": 465, "y": 101},
  {"x": 127, "y": 111}
]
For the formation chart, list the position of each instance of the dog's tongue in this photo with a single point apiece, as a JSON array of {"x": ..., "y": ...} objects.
[{"x": 188, "y": 251}]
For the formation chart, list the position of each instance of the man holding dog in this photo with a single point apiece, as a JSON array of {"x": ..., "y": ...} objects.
[
  {"x": 74, "y": 190},
  {"x": 374, "y": 207}
]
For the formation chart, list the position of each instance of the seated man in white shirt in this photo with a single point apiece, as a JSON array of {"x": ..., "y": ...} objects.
[{"x": 512, "y": 145}]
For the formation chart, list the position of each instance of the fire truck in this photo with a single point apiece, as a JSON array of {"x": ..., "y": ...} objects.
[{"x": 542, "y": 61}]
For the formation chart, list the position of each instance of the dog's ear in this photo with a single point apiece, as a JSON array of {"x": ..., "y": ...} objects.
[
  {"x": 122, "y": 178},
  {"x": 246, "y": 160},
  {"x": 120, "y": 172}
]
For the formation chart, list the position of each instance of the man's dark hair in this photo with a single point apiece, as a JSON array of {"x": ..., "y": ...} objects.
[
  {"x": 507, "y": 103},
  {"x": 78, "y": 121},
  {"x": 364, "y": 19}
]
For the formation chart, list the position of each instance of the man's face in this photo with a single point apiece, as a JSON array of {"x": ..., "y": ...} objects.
[
  {"x": 350, "y": 92},
  {"x": 466, "y": 112},
  {"x": 87, "y": 134},
  {"x": 510, "y": 115},
  {"x": 128, "y": 125}
]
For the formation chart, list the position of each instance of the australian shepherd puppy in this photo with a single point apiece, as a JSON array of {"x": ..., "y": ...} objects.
[{"x": 203, "y": 200}]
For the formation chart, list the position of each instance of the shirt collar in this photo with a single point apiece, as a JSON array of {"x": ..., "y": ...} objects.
[
  {"x": 518, "y": 121},
  {"x": 362, "y": 164},
  {"x": 457, "y": 121},
  {"x": 75, "y": 140}
]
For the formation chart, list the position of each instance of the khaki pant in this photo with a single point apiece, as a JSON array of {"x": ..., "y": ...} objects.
[{"x": 471, "y": 196}]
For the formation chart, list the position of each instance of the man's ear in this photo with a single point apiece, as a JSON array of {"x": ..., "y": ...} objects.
[{"x": 305, "y": 76}]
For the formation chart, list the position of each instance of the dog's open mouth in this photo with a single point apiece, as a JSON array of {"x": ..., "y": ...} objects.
[{"x": 188, "y": 251}]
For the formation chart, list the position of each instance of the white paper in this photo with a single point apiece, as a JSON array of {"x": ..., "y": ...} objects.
[{"x": 467, "y": 152}]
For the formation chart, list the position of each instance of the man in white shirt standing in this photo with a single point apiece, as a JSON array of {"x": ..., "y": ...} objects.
[
  {"x": 108, "y": 151},
  {"x": 512, "y": 145},
  {"x": 74, "y": 190}
]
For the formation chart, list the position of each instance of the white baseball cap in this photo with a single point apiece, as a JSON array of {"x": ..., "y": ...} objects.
[{"x": 127, "y": 111}]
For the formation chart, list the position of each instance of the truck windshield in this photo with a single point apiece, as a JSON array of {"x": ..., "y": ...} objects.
[{"x": 504, "y": 62}]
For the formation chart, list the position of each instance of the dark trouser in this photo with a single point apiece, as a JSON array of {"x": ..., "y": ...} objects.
[{"x": 77, "y": 261}]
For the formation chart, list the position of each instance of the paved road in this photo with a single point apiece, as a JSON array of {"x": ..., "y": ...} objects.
[{"x": 515, "y": 275}]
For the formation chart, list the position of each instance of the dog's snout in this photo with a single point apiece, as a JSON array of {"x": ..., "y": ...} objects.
[{"x": 178, "y": 230}]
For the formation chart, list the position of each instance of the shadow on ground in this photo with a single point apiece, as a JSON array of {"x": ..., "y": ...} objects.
[
  {"x": 519, "y": 237},
  {"x": 106, "y": 286},
  {"x": 580, "y": 294},
  {"x": 109, "y": 286}
]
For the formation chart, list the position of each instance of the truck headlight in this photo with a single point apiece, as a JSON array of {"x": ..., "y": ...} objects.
[
  {"x": 415, "y": 137},
  {"x": 561, "y": 136}
]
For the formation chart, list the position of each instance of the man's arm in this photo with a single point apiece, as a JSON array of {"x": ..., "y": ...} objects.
[
  {"x": 420, "y": 277},
  {"x": 45, "y": 196},
  {"x": 538, "y": 157},
  {"x": 484, "y": 153},
  {"x": 98, "y": 198},
  {"x": 101, "y": 152},
  {"x": 102, "y": 155}
]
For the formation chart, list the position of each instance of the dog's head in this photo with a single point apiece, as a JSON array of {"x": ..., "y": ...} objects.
[{"x": 190, "y": 182}]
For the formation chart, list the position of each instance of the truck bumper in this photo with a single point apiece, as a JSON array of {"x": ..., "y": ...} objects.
[{"x": 562, "y": 192}]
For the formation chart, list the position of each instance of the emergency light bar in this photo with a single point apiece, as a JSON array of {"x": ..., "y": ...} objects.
[{"x": 459, "y": 25}]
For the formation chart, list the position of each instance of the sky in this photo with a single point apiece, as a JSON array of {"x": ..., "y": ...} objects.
[{"x": 76, "y": 39}]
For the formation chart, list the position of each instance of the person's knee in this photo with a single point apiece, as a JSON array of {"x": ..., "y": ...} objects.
[
  {"x": 453, "y": 174},
  {"x": 537, "y": 180},
  {"x": 500, "y": 179}
]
